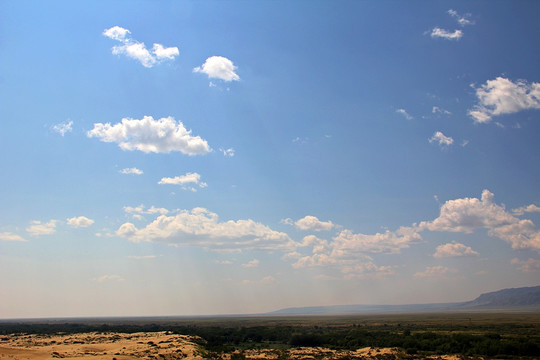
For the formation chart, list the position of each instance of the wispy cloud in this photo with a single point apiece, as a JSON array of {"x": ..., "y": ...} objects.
[
  {"x": 107, "y": 278},
  {"x": 218, "y": 67},
  {"x": 251, "y": 264},
  {"x": 502, "y": 96},
  {"x": 137, "y": 50},
  {"x": 63, "y": 128},
  {"x": 227, "y": 152},
  {"x": 267, "y": 280},
  {"x": 527, "y": 266},
  {"x": 7, "y": 236},
  {"x": 445, "y": 34},
  {"x": 462, "y": 20},
  {"x": 404, "y": 113},
  {"x": 151, "y": 136},
  {"x": 131, "y": 171},
  {"x": 437, "y": 272}
]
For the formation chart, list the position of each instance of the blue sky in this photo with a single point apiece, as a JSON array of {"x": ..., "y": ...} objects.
[{"x": 183, "y": 158}]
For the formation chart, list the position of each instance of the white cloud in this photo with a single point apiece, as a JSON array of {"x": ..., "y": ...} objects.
[
  {"x": 38, "y": 228},
  {"x": 81, "y": 221},
  {"x": 149, "y": 135},
  {"x": 461, "y": 19},
  {"x": 131, "y": 171},
  {"x": 435, "y": 272},
  {"x": 227, "y": 152},
  {"x": 202, "y": 228},
  {"x": 182, "y": 180},
  {"x": 6, "y": 236},
  {"x": 441, "y": 139},
  {"x": 404, "y": 113},
  {"x": 526, "y": 209},
  {"x": 454, "y": 249},
  {"x": 313, "y": 223},
  {"x": 63, "y": 127},
  {"x": 527, "y": 266},
  {"x": 141, "y": 210},
  {"x": 218, "y": 67},
  {"x": 251, "y": 264},
  {"x": 445, "y": 34},
  {"x": 137, "y": 50},
  {"x": 223, "y": 262},
  {"x": 502, "y": 96},
  {"x": 390, "y": 242},
  {"x": 438, "y": 110},
  {"x": 104, "y": 278},
  {"x": 469, "y": 214}
]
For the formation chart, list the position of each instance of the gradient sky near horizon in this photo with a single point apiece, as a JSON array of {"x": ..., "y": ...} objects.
[{"x": 229, "y": 157}]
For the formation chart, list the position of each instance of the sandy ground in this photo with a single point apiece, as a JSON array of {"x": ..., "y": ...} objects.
[{"x": 164, "y": 346}]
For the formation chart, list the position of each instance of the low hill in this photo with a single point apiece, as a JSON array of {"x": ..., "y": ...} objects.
[{"x": 525, "y": 298}]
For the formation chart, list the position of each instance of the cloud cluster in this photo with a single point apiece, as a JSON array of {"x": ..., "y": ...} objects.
[
  {"x": 38, "y": 228},
  {"x": 183, "y": 180},
  {"x": 81, "y": 221},
  {"x": 63, "y": 128},
  {"x": 218, "y": 67},
  {"x": 202, "y": 228},
  {"x": 148, "y": 135},
  {"x": 131, "y": 171},
  {"x": 137, "y": 50},
  {"x": 502, "y": 96}
]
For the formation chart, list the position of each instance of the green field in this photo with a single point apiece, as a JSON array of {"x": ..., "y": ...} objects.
[{"x": 501, "y": 335}]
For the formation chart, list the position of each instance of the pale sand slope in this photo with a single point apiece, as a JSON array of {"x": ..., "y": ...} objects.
[
  {"x": 162, "y": 346},
  {"x": 99, "y": 346}
]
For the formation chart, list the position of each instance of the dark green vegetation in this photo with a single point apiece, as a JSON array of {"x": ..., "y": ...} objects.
[{"x": 505, "y": 335}]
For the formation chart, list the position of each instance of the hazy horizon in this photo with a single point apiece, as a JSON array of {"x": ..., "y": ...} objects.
[{"x": 182, "y": 158}]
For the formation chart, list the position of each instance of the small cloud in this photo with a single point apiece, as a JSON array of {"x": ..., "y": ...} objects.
[
  {"x": 438, "y": 110},
  {"x": 81, "y": 221},
  {"x": 444, "y": 34},
  {"x": 267, "y": 280},
  {"x": 313, "y": 223},
  {"x": 138, "y": 210},
  {"x": 131, "y": 171},
  {"x": 137, "y": 50},
  {"x": 527, "y": 266},
  {"x": 6, "y": 236},
  {"x": 502, "y": 96},
  {"x": 227, "y": 152},
  {"x": 526, "y": 209},
  {"x": 462, "y": 20},
  {"x": 63, "y": 127},
  {"x": 435, "y": 272},
  {"x": 38, "y": 228},
  {"x": 287, "y": 221},
  {"x": 182, "y": 180},
  {"x": 404, "y": 113},
  {"x": 441, "y": 139},
  {"x": 464, "y": 143},
  {"x": 107, "y": 278},
  {"x": 454, "y": 249},
  {"x": 223, "y": 262},
  {"x": 218, "y": 67},
  {"x": 251, "y": 264}
]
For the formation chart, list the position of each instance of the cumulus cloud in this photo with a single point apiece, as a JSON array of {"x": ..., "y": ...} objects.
[
  {"x": 7, "y": 236},
  {"x": 526, "y": 209},
  {"x": 137, "y": 50},
  {"x": 149, "y": 135},
  {"x": 454, "y": 249},
  {"x": 183, "y": 180},
  {"x": 404, "y": 113},
  {"x": 435, "y": 272},
  {"x": 202, "y": 228},
  {"x": 441, "y": 139},
  {"x": 131, "y": 171},
  {"x": 218, "y": 67},
  {"x": 105, "y": 278},
  {"x": 38, "y": 228},
  {"x": 138, "y": 211},
  {"x": 63, "y": 127},
  {"x": 445, "y": 34},
  {"x": 527, "y": 266},
  {"x": 502, "y": 96},
  {"x": 81, "y": 221},
  {"x": 251, "y": 264},
  {"x": 469, "y": 214},
  {"x": 313, "y": 223}
]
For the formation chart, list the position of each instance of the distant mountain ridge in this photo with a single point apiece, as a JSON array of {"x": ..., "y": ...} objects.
[{"x": 526, "y": 298}]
